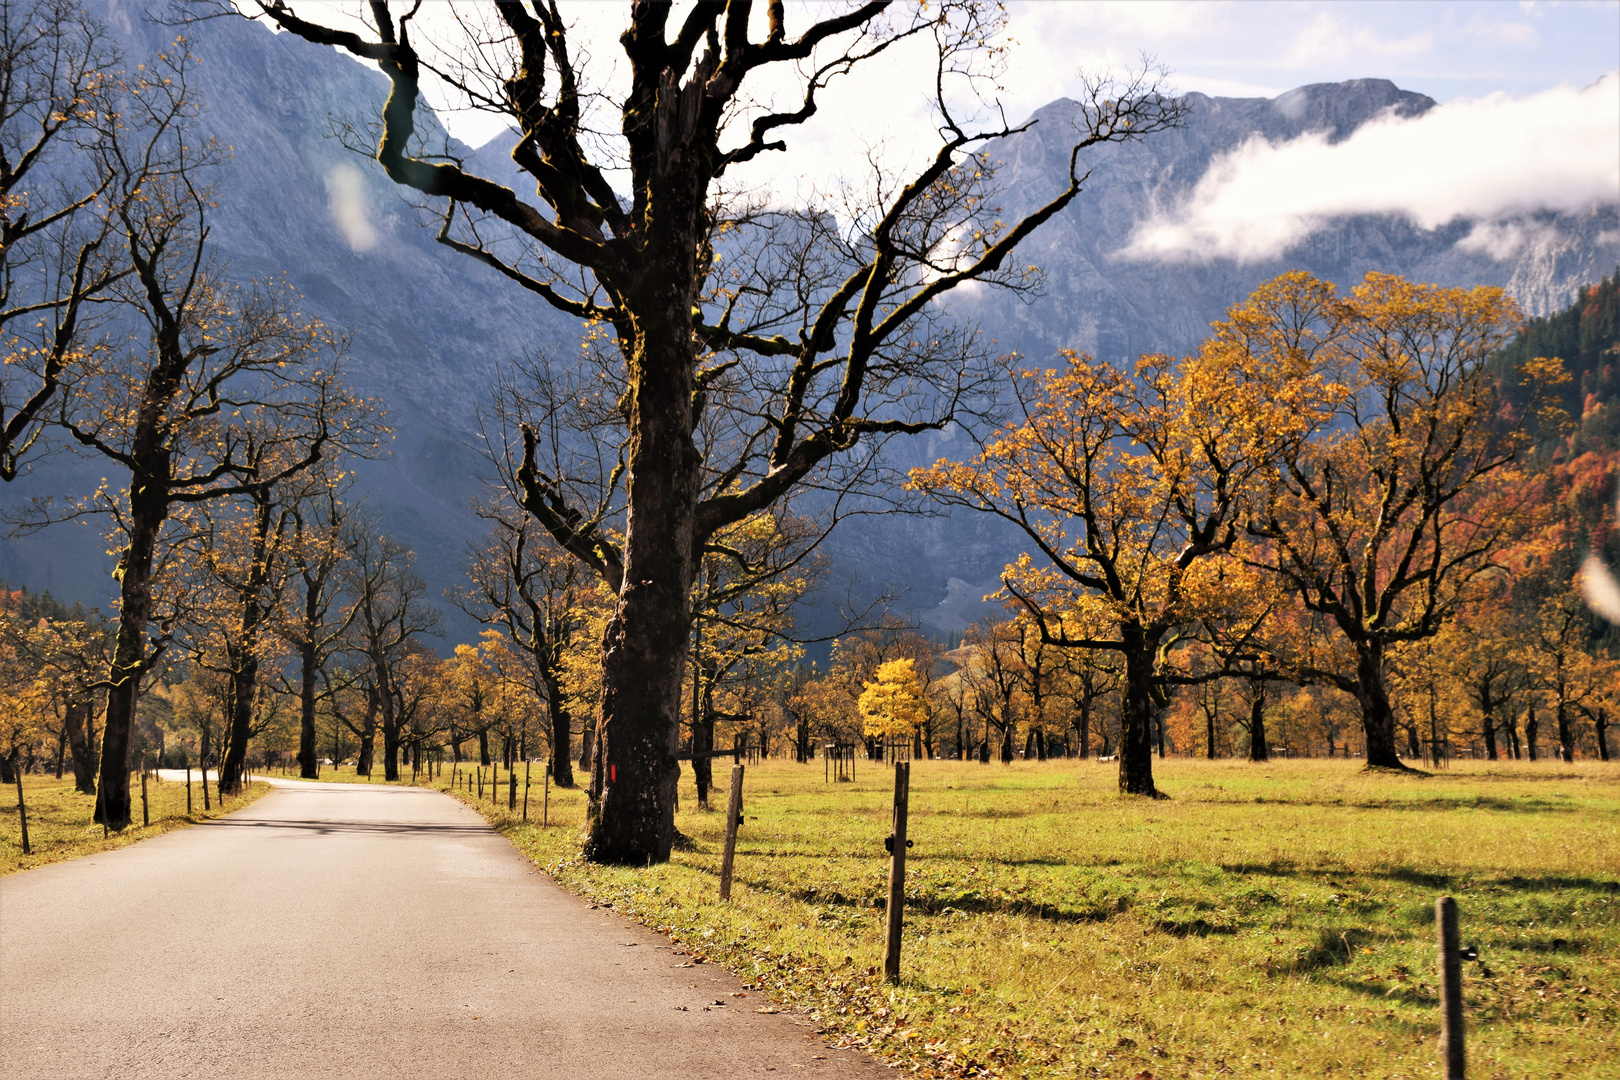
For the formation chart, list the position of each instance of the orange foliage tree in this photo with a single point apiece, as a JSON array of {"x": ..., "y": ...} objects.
[
  {"x": 1130, "y": 488},
  {"x": 1392, "y": 506}
]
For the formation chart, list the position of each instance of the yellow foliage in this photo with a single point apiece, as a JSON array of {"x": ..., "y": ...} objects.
[{"x": 892, "y": 704}]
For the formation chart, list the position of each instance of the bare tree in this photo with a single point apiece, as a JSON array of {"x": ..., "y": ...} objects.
[
  {"x": 391, "y": 615},
  {"x": 829, "y": 325},
  {"x": 170, "y": 409},
  {"x": 525, "y": 584},
  {"x": 316, "y": 623},
  {"x": 60, "y": 101}
]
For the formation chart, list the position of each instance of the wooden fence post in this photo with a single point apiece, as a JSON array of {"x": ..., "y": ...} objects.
[
  {"x": 146, "y": 818},
  {"x": 545, "y": 807},
  {"x": 1451, "y": 1005},
  {"x": 22, "y": 815},
  {"x": 897, "y": 872},
  {"x": 733, "y": 818},
  {"x": 188, "y": 791},
  {"x": 527, "y": 763}
]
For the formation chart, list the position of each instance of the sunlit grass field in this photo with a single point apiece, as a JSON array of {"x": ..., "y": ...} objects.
[
  {"x": 1266, "y": 920},
  {"x": 60, "y": 825}
]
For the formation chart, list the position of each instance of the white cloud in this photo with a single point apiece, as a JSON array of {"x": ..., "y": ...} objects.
[
  {"x": 1502, "y": 240},
  {"x": 1482, "y": 159},
  {"x": 346, "y": 199}
]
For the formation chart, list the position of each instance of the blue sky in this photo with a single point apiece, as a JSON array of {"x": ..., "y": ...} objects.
[{"x": 1264, "y": 47}]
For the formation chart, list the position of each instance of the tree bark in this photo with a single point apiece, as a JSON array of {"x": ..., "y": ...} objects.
[
  {"x": 702, "y": 767},
  {"x": 644, "y": 648},
  {"x": 309, "y": 665},
  {"x": 244, "y": 685},
  {"x": 1085, "y": 727},
  {"x": 1377, "y": 716},
  {"x": 1258, "y": 749},
  {"x": 1566, "y": 733},
  {"x": 80, "y": 724},
  {"x": 1136, "y": 717},
  {"x": 1532, "y": 727},
  {"x": 366, "y": 751},
  {"x": 1600, "y": 721},
  {"x": 562, "y": 729},
  {"x": 148, "y": 508}
]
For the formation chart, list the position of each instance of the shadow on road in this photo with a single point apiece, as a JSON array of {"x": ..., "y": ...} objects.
[{"x": 377, "y": 828}]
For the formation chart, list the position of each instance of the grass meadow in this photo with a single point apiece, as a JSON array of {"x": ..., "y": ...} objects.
[
  {"x": 1265, "y": 920},
  {"x": 60, "y": 825}
]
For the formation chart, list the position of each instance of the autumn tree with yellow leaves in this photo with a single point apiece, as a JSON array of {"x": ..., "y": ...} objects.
[
  {"x": 893, "y": 704},
  {"x": 1392, "y": 499},
  {"x": 1130, "y": 488}
]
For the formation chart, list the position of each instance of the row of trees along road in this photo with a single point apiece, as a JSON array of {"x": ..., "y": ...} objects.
[
  {"x": 126, "y": 340},
  {"x": 1325, "y": 484}
]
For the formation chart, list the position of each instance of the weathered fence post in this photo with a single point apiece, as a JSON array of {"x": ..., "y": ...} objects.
[
  {"x": 545, "y": 806},
  {"x": 188, "y": 791},
  {"x": 22, "y": 815},
  {"x": 733, "y": 819},
  {"x": 527, "y": 763},
  {"x": 897, "y": 872},
  {"x": 1451, "y": 1006},
  {"x": 146, "y": 818}
]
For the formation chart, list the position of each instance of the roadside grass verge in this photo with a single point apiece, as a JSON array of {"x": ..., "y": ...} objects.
[
  {"x": 60, "y": 825},
  {"x": 1270, "y": 919}
]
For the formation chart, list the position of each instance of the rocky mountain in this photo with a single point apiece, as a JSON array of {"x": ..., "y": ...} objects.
[{"x": 430, "y": 328}]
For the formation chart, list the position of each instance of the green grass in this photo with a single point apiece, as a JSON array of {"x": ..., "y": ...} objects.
[
  {"x": 1266, "y": 920},
  {"x": 60, "y": 825}
]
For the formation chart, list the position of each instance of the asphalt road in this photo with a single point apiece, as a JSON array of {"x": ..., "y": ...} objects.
[{"x": 332, "y": 930}]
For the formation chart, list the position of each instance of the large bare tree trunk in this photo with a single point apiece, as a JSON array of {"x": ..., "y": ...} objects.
[
  {"x": 80, "y": 724},
  {"x": 1377, "y": 715},
  {"x": 562, "y": 730},
  {"x": 1136, "y": 719},
  {"x": 309, "y": 668},
  {"x": 1566, "y": 733},
  {"x": 1258, "y": 748},
  {"x": 644, "y": 649},
  {"x": 244, "y": 686},
  {"x": 149, "y": 507}
]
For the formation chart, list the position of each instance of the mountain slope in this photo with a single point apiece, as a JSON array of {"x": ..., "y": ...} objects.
[{"x": 430, "y": 328}]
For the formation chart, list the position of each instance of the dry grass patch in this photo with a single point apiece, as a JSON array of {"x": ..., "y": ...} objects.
[
  {"x": 60, "y": 825},
  {"x": 1270, "y": 919}
]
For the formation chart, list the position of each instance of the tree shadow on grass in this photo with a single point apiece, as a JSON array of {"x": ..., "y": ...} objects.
[
  {"x": 1092, "y": 910},
  {"x": 1402, "y": 993}
]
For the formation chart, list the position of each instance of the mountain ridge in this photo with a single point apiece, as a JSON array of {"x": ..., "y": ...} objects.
[{"x": 431, "y": 328}]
